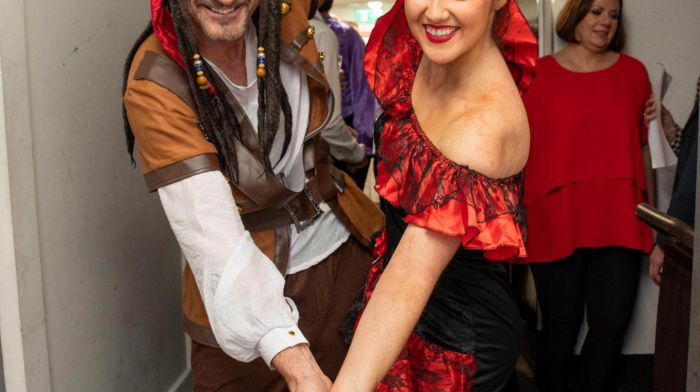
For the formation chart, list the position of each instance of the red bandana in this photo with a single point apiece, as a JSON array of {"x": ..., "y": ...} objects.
[{"x": 164, "y": 29}]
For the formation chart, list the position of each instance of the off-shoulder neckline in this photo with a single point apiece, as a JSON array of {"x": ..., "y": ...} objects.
[
  {"x": 420, "y": 133},
  {"x": 431, "y": 146}
]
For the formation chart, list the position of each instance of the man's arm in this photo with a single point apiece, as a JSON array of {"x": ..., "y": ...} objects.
[{"x": 241, "y": 288}]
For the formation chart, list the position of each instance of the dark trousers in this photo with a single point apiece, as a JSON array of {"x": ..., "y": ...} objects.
[{"x": 605, "y": 280}]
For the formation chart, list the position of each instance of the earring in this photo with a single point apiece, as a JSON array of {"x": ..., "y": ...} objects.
[
  {"x": 261, "y": 72},
  {"x": 202, "y": 80}
]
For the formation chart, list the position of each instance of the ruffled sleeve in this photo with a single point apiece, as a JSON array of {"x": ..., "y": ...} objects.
[{"x": 441, "y": 195}]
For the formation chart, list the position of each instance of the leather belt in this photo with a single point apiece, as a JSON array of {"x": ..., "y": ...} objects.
[{"x": 302, "y": 211}]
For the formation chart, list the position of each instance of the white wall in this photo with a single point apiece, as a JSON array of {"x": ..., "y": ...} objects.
[{"x": 89, "y": 240}]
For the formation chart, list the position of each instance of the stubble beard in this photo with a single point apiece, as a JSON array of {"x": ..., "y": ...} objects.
[{"x": 223, "y": 31}]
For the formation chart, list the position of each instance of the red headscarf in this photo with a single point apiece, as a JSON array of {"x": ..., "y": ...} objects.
[{"x": 164, "y": 29}]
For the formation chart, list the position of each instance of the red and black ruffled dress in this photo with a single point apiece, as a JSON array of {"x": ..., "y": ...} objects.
[{"x": 468, "y": 336}]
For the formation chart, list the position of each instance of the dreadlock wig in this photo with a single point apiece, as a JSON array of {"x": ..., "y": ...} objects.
[{"x": 172, "y": 24}]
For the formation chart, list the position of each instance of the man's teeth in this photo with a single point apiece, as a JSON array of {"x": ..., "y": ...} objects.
[
  {"x": 222, "y": 11},
  {"x": 441, "y": 32}
]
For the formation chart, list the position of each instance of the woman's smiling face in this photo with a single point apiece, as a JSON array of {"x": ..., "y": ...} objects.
[
  {"x": 448, "y": 29},
  {"x": 597, "y": 29}
]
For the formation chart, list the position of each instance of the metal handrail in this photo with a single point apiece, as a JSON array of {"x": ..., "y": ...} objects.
[{"x": 666, "y": 224}]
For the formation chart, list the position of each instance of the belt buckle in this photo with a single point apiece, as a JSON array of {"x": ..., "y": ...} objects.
[{"x": 301, "y": 226}]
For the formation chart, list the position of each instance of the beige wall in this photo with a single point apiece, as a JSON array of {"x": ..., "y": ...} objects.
[{"x": 97, "y": 268}]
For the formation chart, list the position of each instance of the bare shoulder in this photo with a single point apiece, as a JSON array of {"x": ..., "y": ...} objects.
[{"x": 493, "y": 137}]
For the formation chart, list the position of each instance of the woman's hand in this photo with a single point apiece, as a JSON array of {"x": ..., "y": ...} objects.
[
  {"x": 667, "y": 123},
  {"x": 649, "y": 111},
  {"x": 656, "y": 265}
]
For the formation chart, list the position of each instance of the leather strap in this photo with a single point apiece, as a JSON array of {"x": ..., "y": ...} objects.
[
  {"x": 304, "y": 207},
  {"x": 300, "y": 40},
  {"x": 283, "y": 246},
  {"x": 200, "y": 333},
  {"x": 291, "y": 55},
  {"x": 160, "y": 69},
  {"x": 264, "y": 189},
  {"x": 180, "y": 170}
]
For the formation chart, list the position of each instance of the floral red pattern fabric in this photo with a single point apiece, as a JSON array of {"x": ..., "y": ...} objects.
[
  {"x": 424, "y": 366},
  {"x": 421, "y": 365}
]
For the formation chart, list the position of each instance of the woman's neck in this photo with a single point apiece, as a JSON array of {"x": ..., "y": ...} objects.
[
  {"x": 583, "y": 59},
  {"x": 460, "y": 74}
]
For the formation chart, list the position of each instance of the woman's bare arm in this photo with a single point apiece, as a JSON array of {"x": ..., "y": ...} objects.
[{"x": 396, "y": 304}]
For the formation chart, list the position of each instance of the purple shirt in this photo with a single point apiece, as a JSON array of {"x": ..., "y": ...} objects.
[{"x": 357, "y": 101}]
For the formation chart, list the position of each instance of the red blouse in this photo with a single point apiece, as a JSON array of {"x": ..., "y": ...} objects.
[
  {"x": 585, "y": 173},
  {"x": 412, "y": 174}
]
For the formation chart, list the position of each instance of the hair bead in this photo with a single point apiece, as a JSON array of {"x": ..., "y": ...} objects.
[
  {"x": 261, "y": 72},
  {"x": 202, "y": 81}
]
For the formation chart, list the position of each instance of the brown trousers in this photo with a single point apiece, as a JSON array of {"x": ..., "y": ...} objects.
[{"x": 323, "y": 294}]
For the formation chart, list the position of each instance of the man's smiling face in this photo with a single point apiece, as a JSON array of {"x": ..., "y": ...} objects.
[{"x": 222, "y": 20}]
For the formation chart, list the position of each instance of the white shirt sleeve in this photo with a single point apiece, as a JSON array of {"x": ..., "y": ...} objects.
[{"x": 241, "y": 288}]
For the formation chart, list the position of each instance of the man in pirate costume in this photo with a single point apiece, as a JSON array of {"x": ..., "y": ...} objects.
[{"x": 226, "y": 100}]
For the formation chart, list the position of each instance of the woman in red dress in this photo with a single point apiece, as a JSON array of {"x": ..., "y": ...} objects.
[
  {"x": 584, "y": 177},
  {"x": 437, "y": 314}
]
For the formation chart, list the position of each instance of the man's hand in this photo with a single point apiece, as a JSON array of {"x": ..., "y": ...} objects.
[
  {"x": 300, "y": 370},
  {"x": 668, "y": 124},
  {"x": 656, "y": 265}
]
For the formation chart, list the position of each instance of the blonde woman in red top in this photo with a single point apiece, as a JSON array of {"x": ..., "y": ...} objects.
[{"x": 587, "y": 170}]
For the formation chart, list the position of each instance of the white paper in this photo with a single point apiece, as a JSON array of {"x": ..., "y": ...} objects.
[{"x": 661, "y": 153}]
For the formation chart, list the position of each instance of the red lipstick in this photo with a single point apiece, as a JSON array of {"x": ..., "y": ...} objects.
[{"x": 437, "y": 34}]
